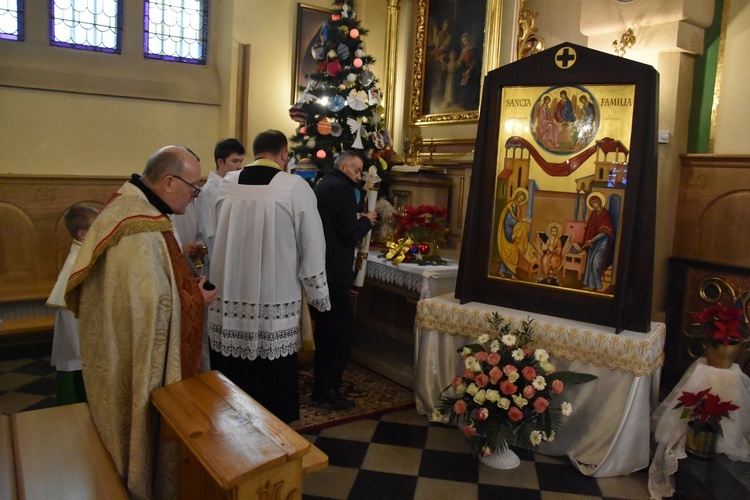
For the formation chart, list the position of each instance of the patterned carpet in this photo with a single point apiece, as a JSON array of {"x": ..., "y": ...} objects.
[{"x": 373, "y": 395}]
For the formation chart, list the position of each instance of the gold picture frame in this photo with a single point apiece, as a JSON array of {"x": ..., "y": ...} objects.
[
  {"x": 310, "y": 19},
  {"x": 447, "y": 82}
]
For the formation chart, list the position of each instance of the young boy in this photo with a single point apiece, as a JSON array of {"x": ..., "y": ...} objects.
[{"x": 66, "y": 355}]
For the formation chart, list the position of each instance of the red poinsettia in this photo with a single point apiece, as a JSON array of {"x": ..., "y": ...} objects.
[
  {"x": 424, "y": 223},
  {"x": 724, "y": 325},
  {"x": 704, "y": 410}
]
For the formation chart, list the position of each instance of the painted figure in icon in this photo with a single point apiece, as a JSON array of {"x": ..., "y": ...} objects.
[
  {"x": 597, "y": 240},
  {"x": 564, "y": 109},
  {"x": 513, "y": 233},
  {"x": 552, "y": 248},
  {"x": 468, "y": 74},
  {"x": 585, "y": 122},
  {"x": 545, "y": 130}
]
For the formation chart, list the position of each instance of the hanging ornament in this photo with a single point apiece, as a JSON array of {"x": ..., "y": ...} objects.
[
  {"x": 378, "y": 140},
  {"x": 336, "y": 103},
  {"x": 351, "y": 78},
  {"x": 310, "y": 144},
  {"x": 359, "y": 53},
  {"x": 342, "y": 51},
  {"x": 318, "y": 52},
  {"x": 380, "y": 110},
  {"x": 336, "y": 129},
  {"x": 324, "y": 127},
  {"x": 297, "y": 114},
  {"x": 355, "y": 127},
  {"x": 335, "y": 17},
  {"x": 357, "y": 100},
  {"x": 320, "y": 154},
  {"x": 344, "y": 30},
  {"x": 366, "y": 77},
  {"x": 357, "y": 63},
  {"x": 354, "y": 33},
  {"x": 306, "y": 169},
  {"x": 345, "y": 10},
  {"x": 332, "y": 54},
  {"x": 373, "y": 96},
  {"x": 376, "y": 118},
  {"x": 334, "y": 68},
  {"x": 303, "y": 130}
]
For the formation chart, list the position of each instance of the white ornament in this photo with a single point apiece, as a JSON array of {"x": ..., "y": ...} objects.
[
  {"x": 359, "y": 53},
  {"x": 356, "y": 128},
  {"x": 351, "y": 77},
  {"x": 310, "y": 144}
]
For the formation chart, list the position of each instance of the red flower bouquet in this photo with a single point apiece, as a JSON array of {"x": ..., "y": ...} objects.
[
  {"x": 424, "y": 223},
  {"x": 724, "y": 325}
]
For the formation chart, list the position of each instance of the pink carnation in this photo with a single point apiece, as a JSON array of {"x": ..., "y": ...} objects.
[
  {"x": 493, "y": 358},
  {"x": 529, "y": 373},
  {"x": 557, "y": 386},
  {"x": 541, "y": 404},
  {"x": 508, "y": 369},
  {"x": 456, "y": 382},
  {"x": 482, "y": 414},
  {"x": 495, "y": 375},
  {"x": 470, "y": 431},
  {"x": 527, "y": 352},
  {"x": 469, "y": 374},
  {"x": 529, "y": 391},
  {"x": 459, "y": 407},
  {"x": 507, "y": 387},
  {"x": 515, "y": 414},
  {"x": 480, "y": 356},
  {"x": 482, "y": 380}
]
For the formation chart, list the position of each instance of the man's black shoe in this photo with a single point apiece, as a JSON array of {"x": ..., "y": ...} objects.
[{"x": 331, "y": 399}]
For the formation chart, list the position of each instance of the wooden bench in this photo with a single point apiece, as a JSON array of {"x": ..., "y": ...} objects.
[
  {"x": 58, "y": 454},
  {"x": 7, "y": 465},
  {"x": 230, "y": 446}
]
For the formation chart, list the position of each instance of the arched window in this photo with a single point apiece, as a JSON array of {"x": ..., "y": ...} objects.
[
  {"x": 11, "y": 20},
  {"x": 175, "y": 30},
  {"x": 86, "y": 24}
]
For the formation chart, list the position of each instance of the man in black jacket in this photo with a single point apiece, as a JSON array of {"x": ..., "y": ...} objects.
[{"x": 343, "y": 228}]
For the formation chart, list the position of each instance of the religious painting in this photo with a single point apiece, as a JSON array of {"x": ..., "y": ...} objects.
[
  {"x": 455, "y": 44},
  {"x": 561, "y": 205},
  {"x": 310, "y": 21}
]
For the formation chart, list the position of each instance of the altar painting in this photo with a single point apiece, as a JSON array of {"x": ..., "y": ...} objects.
[{"x": 560, "y": 185}]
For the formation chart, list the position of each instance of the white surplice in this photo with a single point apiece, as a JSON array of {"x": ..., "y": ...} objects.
[{"x": 272, "y": 232}]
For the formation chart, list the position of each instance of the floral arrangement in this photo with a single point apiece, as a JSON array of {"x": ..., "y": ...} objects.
[
  {"x": 504, "y": 395},
  {"x": 724, "y": 325},
  {"x": 425, "y": 223},
  {"x": 704, "y": 410}
]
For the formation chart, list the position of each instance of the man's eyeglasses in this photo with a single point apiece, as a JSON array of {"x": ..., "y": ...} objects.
[{"x": 197, "y": 189}]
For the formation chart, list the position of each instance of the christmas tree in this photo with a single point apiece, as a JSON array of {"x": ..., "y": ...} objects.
[{"x": 341, "y": 107}]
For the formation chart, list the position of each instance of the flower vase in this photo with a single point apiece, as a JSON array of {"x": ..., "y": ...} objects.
[
  {"x": 701, "y": 444},
  {"x": 722, "y": 356},
  {"x": 505, "y": 459}
]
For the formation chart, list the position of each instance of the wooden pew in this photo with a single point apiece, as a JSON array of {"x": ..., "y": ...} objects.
[
  {"x": 230, "y": 446},
  {"x": 58, "y": 454},
  {"x": 7, "y": 465}
]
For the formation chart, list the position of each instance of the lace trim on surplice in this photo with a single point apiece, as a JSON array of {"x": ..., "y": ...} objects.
[{"x": 314, "y": 287}]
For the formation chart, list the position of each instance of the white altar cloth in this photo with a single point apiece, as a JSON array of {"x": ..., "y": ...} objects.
[
  {"x": 608, "y": 432},
  {"x": 429, "y": 281},
  {"x": 730, "y": 384}
]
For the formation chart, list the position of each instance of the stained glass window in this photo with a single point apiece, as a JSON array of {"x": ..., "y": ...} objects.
[
  {"x": 11, "y": 19},
  {"x": 86, "y": 24},
  {"x": 175, "y": 30}
]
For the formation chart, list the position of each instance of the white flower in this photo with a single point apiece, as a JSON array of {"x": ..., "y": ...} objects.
[
  {"x": 472, "y": 389},
  {"x": 509, "y": 339},
  {"x": 519, "y": 400},
  {"x": 483, "y": 339},
  {"x": 460, "y": 389},
  {"x": 549, "y": 438},
  {"x": 539, "y": 382},
  {"x": 541, "y": 355},
  {"x": 494, "y": 346},
  {"x": 535, "y": 438},
  {"x": 475, "y": 366},
  {"x": 492, "y": 395},
  {"x": 503, "y": 403},
  {"x": 480, "y": 397},
  {"x": 566, "y": 408},
  {"x": 468, "y": 361},
  {"x": 465, "y": 351},
  {"x": 547, "y": 366},
  {"x": 436, "y": 416},
  {"x": 513, "y": 376},
  {"x": 517, "y": 354}
]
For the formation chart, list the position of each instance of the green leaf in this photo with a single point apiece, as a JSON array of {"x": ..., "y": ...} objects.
[{"x": 570, "y": 378}]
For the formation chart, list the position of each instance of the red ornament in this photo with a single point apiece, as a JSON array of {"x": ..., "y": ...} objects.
[
  {"x": 357, "y": 63},
  {"x": 320, "y": 154},
  {"x": 334, "y": 68},
  {"x": 407, "y": 257},
  {"x": 354, "y": 33},
  {"x": 424, "y": 248},
  {"x": 303, "y": 130},
  {"x": 335, "y": 17}
]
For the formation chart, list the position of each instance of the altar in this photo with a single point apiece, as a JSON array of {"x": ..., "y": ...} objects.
[{"x": 608, "y": 432}]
